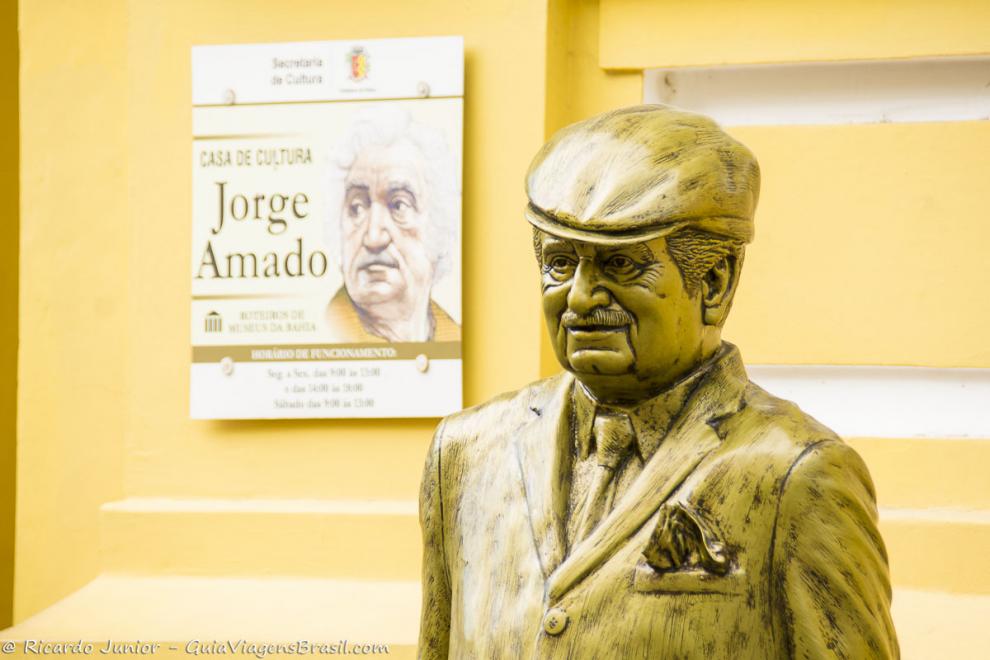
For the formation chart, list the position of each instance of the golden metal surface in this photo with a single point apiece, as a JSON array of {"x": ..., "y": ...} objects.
[
  {"x": 643, "y": 172},
  {"x": 732, "y": 524}
]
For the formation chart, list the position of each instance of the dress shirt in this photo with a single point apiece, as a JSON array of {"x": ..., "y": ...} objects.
[{"x": 651, "y": 419}]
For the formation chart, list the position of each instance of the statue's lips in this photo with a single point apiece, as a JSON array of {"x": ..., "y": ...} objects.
[{"x": 595, "y": 332}]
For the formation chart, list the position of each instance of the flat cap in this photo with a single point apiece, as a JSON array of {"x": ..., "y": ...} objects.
[{"x": 641, "y": 172}]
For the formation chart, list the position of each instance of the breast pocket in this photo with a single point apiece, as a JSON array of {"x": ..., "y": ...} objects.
[{"x": 646, "y": 579}]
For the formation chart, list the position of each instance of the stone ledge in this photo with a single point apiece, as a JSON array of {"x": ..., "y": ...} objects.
[
  {"x": 938, "y": 549},
  {"x": 211, "y": 537},
  {"x": 175, "y": 608},
  {"x": 367, "y": 540},
  {"x": 179, "y": 609}
]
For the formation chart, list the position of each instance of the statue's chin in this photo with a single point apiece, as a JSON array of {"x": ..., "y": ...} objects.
[
  {"x": 594, "y": 352},
  {"x": 602, "y": 362}
]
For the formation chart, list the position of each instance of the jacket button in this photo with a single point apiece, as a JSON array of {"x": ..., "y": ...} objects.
[{"x": 555, "y": 621}]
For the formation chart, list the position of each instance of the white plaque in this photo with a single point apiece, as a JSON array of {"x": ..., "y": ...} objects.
[{"x": 326, "y": 259}]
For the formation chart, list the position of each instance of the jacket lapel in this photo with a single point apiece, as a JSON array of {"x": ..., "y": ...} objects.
[
  {"x": 541, "y": 446},
  {"x": 691, "y": 438}
]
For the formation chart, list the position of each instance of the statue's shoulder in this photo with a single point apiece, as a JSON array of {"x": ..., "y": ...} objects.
[
  {"x": 773, "y": 437},
  {"x": 504, "y": 410},
  {"x": 489, "y": 420},
  {"x": 779, "y": 423}
]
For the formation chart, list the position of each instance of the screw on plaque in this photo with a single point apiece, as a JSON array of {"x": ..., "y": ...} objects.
[
  {"x": 422, "y": 362},
  {"x": 423, "y": 89},
  {"x": 229, "y": 98},
  {"x": 227, "y": 366}
]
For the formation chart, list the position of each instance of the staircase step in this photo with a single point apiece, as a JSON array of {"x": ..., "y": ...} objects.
[
  {"x": 938, "y": 549},
  {"x": 315, "y": 538},
  {"x": 381, "y": 540},
  {"x": 177, "y": 609},
  {"x": 925, "y": 472},
  {"x": 932, "y": 624}
]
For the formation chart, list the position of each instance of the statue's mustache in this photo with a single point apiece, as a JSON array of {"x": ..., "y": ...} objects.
[{"x": 597, "y": 318}]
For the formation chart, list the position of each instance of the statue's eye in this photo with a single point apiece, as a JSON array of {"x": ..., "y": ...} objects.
[
  {"x": 560, "y": 266},
  {"x": 620, "y": 264}
]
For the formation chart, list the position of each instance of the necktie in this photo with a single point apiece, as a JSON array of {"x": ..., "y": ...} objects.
[{"x": 613, "y": 436}]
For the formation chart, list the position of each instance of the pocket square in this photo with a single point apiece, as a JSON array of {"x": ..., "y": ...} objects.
[{"x": 683, "y": 541}]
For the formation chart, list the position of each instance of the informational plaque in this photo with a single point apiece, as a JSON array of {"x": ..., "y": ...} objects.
[{"x": 326, "y": 224}]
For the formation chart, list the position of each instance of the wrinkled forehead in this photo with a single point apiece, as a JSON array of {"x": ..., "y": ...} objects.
[
  {"x": 551, "y": 243},
  {"x": 382, "y": 167}
]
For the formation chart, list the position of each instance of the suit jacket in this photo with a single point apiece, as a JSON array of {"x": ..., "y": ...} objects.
[
  {"x": 792, "y": 507},
  {"x": 344, "y": 322}
]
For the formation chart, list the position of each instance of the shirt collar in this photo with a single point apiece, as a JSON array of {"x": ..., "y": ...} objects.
[{"x": 651, "y": 419}]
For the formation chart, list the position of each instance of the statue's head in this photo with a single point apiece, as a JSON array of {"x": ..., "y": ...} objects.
[{"x": 640, "y": 220}]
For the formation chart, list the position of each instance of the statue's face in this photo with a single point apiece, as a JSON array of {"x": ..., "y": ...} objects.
[
  {"x": 619, "y": 316},
  {"x": 383, "y": 223}
]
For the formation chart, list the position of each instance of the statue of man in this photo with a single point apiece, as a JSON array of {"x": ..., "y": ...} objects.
[{"x": 650, "y": 501}]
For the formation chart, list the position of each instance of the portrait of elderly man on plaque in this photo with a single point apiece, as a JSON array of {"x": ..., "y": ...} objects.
[{"x": 395, "y": 215}]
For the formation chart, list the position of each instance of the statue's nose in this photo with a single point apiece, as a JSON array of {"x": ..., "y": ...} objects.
[{"x": 586, "y": 292}]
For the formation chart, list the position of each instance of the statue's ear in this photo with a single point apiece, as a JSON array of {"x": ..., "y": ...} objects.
[{"x": 719, "y": 287}]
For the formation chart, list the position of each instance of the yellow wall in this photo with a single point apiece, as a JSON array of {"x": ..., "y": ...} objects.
[
  {"x": 105, "y": 304},
  {"x": 577, "y": 85},
  {"x": 639, "y": 34},
  {"x": 72, "y": 396},
  {"x": 8, "y": 301},
  {"x": 869, "y": 240}
]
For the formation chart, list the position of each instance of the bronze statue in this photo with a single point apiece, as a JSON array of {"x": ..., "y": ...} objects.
[{"x": 650, "y": 501}]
